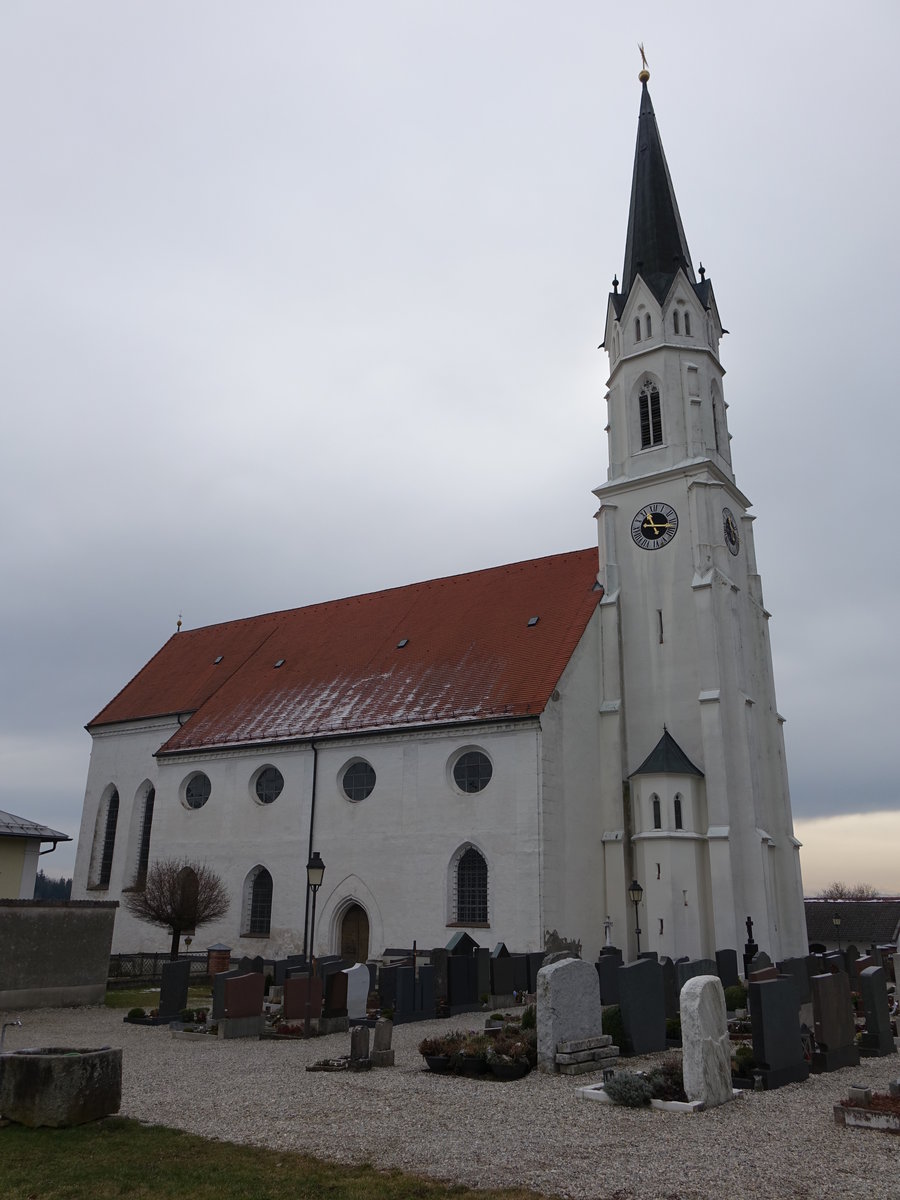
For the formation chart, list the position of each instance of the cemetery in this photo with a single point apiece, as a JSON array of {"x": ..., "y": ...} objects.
[{"x": 699, "y": 1041}]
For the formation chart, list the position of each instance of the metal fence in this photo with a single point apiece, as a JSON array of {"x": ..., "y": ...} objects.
[{"x": 147, "y": 968}]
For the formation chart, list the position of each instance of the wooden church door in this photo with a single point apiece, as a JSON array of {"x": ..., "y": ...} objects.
[{"x": 355, "y": 934}]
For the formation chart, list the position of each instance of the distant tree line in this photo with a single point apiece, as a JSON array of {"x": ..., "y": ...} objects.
[
  {"x": 46, "y": 888},
  {"x": 849, "y": 891}
]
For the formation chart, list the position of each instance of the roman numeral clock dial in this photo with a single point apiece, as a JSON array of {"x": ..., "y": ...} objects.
[{"x": 654, "y": 526}]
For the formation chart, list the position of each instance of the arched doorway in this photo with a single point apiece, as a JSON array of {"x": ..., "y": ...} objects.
[{"x": 355, "y": 934}]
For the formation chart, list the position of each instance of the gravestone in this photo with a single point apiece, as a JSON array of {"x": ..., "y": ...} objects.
[
  {"x": 296, "y": 990},
  {"x": 777, "y": 1041},
  {"x": 608, "y": 967},
  {"x": 835, "y": 961},
  {"x": 482, "y": 972},
  {"x": 462, "y": 943},
  {"x": 758, "y": 962},
  {"x": 706, "y": 1048},
  {"x": 335, "y": 1002},
  {"x": 387, "y": 987},
  {"x": 405, "y": 1004},
  {"x": 425, "y": 1005},
  {"x": 382, "y": 1054},
  {"x": 439, "y": 965},
  {"x": 500, "y": 951},
  {"x": 359, "y": 1043},
  {"x": 244, "y": 995},
  {"x": 727, "y": 968},
  {"x": 877, "y": 1039},
  {"x": 670, "y": 986},
  {"x": 643, "y": 1006},
  {"x": 798, "y": 969},
  {"x": 762, "y": 975},
  {"x": 650, "y": 954},
  {"x": 568, "y": 1007},
  {"x": 462, "y": 992},
  {"x": 357, "y": 991},
  {"x": 218, "y": 1000},
  {"x": 283, "y": 965},
  {"x": 534, "y": 960},
  {"x": 833, "y": 1024},
  {"x": 502, "y": 977},
  {"x": 863, "y": 963},
  {"x": 520, "y": 973},
  {"x": 692, "y": 968},
  {"x": 173, "y": 988},
  {"x": 851, "y": 954}
]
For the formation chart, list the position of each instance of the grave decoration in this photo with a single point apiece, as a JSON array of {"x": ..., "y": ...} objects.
[
  {"x": 865, "y": 1109},
  {"x": 661, "y": 1088},
  {"x": 509, "y": 1054}
]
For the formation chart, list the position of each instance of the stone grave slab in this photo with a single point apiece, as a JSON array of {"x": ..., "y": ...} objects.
[
  {"x": 335, "y": 1001},
  {"x": 296, "y": 988},
  {"x": 387, "y": 987},
  {"x": 568, "y": 1007},
  {"x": 534, "y": 960},
  {"x": 670, "y": 986},
  {"x": 608, "y": 967},
  {"x": 357, "y": 991},
  {"x": 502, "y": 977},
  {"x": 425, "y": 1005},
  {"x": 727, "y": 968},
  {"x": 439, "y": 965},
  {"x": 483, "y": 971},
  {"x": 706, "y": 1048},
  {"x": 777, "y": 1041},
  {"x": 218, "y": 1000},
  {"x": 877, "y": 1040},
  {"x": 833, "y": 1024},
  {"x": 173, "y": 989},
  {"x": 462, "y": 943},
  {"x": 692, "y": 968},
  {"x": 520, "y": 972},
  {"x": 500, "y": 951},
  {"x": 643, "y": 1006},
  {"x": 462, "y": 991},
  {"x": 244, "y": 995}
]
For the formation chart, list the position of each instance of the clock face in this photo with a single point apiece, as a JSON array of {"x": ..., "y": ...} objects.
[
  {"x": 654, "y": 525},
  {"x": 732, "y": 535}
]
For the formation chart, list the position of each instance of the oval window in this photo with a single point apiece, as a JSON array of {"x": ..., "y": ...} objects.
[
  {"x": 358, "y": 780},
  {"x": 472, "y": 771},
  {"x": 269, "y": 785},
  {"x": 197, "y": 791}
]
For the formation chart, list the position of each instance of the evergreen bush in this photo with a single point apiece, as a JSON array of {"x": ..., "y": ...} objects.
[{"x": 626, "y": 1088}]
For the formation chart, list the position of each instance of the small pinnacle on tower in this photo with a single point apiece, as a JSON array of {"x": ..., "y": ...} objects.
[{"x": 643, "y": 74}]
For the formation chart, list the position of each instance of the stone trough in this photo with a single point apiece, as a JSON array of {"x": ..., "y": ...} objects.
[{"x": 57, "y": 1086}]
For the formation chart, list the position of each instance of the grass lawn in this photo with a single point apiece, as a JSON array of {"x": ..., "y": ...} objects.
[
  {"x": 116, "y": 1158},
  {"x": 198, "y": 997}
]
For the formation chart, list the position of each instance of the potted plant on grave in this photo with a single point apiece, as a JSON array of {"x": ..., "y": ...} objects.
[
  {"x": 440, "y": 1052},
  {"x": 512, "y": 1054},
  {"x": 471, "y": 1056}
]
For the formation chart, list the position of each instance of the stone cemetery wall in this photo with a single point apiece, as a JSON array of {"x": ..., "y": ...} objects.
[{"x": 54, "y": 953}]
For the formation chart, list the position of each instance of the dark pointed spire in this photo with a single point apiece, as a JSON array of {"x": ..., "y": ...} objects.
[
  {"x": 655, "y": 246},
  {"x": 667, "y": 758}
]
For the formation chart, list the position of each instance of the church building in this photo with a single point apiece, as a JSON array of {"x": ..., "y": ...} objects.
[{"x": 503, "y": 752}]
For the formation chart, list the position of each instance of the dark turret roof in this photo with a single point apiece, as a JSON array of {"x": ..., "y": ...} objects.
[
  {"x": 655, "y": 246},
  {"x": 667, "y": 758}
]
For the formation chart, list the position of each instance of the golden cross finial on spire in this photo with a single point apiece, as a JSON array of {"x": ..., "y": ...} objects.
[{"x": 644, "y": 73}]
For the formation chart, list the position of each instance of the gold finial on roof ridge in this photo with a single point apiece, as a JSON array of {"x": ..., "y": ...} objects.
[{"x": 644, "y": 73}]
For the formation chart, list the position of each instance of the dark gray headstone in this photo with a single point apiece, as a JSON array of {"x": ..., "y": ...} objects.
[
  {"x": 218, "y": 1000},
  {"x": 608, "y": 967},
  {"x": 642, "y": 1004},
  {"x": 359, "y": 1043},
  {"x": 173, "y": 990},
  {"x": 462, "y": 943},
  {"x": 691, "y": 968},
  {"x": 439, "y": 964},
  {"x": 833, "y": 1024},
  {"x": 483, "y": 971},
  {"x": 877, "y": 1038},
  {"x": 777, "y": 1041},
  {"x": 835, "y": 961},
  {"x": 245, "y": 964},
  {"x": 462, "y": 991},
  {"x": 283, "y": 965},
  {"x": 534, "y": 960},
  {"x": 727, "y": 968},
  {"x": 520, "y": 972},
  {"x": 670, "y": 987},
  {"x": 387, "y": 987},
  {"x": 502, "y": 977},
  {"x": 650, "y": 954},
  {"x": 798, "y": 970},
  {"x": 425, "y": 1006},
  {"x": 335, "y": 995},
  {"x": 758, "y": 962},
  {"x": 405, "y": 1004},
  {"x": 500, "y": 951}
]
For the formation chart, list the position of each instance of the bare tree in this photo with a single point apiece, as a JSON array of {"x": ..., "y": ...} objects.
[
  {"x": 180, "y": 895},
  {"x": 849, "y": 891}
]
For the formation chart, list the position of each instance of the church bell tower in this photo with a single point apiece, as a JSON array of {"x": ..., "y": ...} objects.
[{"x": 691, "y": 736}]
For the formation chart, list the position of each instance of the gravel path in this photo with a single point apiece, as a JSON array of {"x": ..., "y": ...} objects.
[{"x": 535, "y": 1132}]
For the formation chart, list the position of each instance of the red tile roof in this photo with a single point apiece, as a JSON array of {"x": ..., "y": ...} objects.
[{"x": 469, "y": 655}]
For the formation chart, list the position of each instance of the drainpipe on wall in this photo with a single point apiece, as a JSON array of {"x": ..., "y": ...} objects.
[{"x": 312, "y": 821}]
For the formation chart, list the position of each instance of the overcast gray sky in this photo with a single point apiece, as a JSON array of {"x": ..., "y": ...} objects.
[{"x": 303, "y": 300}]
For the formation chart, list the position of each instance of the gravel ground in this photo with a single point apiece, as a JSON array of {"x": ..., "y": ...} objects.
[{"x": 535, "y": 1132}]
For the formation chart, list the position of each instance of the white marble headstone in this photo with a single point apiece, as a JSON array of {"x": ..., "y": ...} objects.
[
  {"x": 568, "y": 1007},
  {"x": 358, "y": 980},
  {"x": 705, "y": 1046}
]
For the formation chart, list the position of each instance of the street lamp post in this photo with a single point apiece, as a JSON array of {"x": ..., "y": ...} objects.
[
  {"x": 315, "y": 873},
  {"x": 836, "y": 922},
  {"x": 635, "y": 892}
]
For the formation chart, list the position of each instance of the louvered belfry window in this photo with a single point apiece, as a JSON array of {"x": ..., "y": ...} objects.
[
  {"x": 651, "y": 416},
  {"x": 471, "y": 889}
]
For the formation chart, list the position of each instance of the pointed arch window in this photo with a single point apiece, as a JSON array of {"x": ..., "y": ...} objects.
[
  {"x": 651, "y": 415},
  {"x": 637, "y": 329},
  {"x": 471, "y": 889},
  {"x": 140, "y": 878},
  {"x": 109, "y": 839},
  {"x": 687, "y": 324},
  {"x": 679, "y": 818},
  {"x": 648, "y": 325},
  {"x": 675, "y": 321},
  {"x": 657, "y": 813},
  {"x": 257, "y": 916}
]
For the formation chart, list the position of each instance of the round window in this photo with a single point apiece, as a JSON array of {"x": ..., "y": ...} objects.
[
  {"x": 197, "y": 791},
  {"x": 269, "y": 785},
  {"x": 472, "y": 771},
  {"x": 358, "y": 780}
]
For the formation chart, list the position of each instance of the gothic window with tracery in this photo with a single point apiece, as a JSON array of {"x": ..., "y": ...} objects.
[{"x": 651, "y": 415}]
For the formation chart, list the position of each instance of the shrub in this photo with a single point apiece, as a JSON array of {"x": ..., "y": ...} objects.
[
  {"x": 615, "y": 1026},
  {"x": 735, "y": 997},
  {"x": 743, "y": 1059},
  {"x": 186, "y": 1015},
  {"x": 444, "y": 1044},
  {"x": 137, "y": 1012},
  {"x": 529, "y": 1017},
  {"x": 626, "y": 1088},
  {"x": 667, "y": 1080}
]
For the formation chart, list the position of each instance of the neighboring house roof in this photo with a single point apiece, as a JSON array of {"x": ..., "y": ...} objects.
[
  {"x": 447, "y": 650},
  {"x": 863, "y": 922},
  {"x": 667, "y": 758},
  {"x": 13, "y": 826}
]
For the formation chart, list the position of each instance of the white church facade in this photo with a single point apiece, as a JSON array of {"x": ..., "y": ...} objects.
[{"x": 500, "y": 752}]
